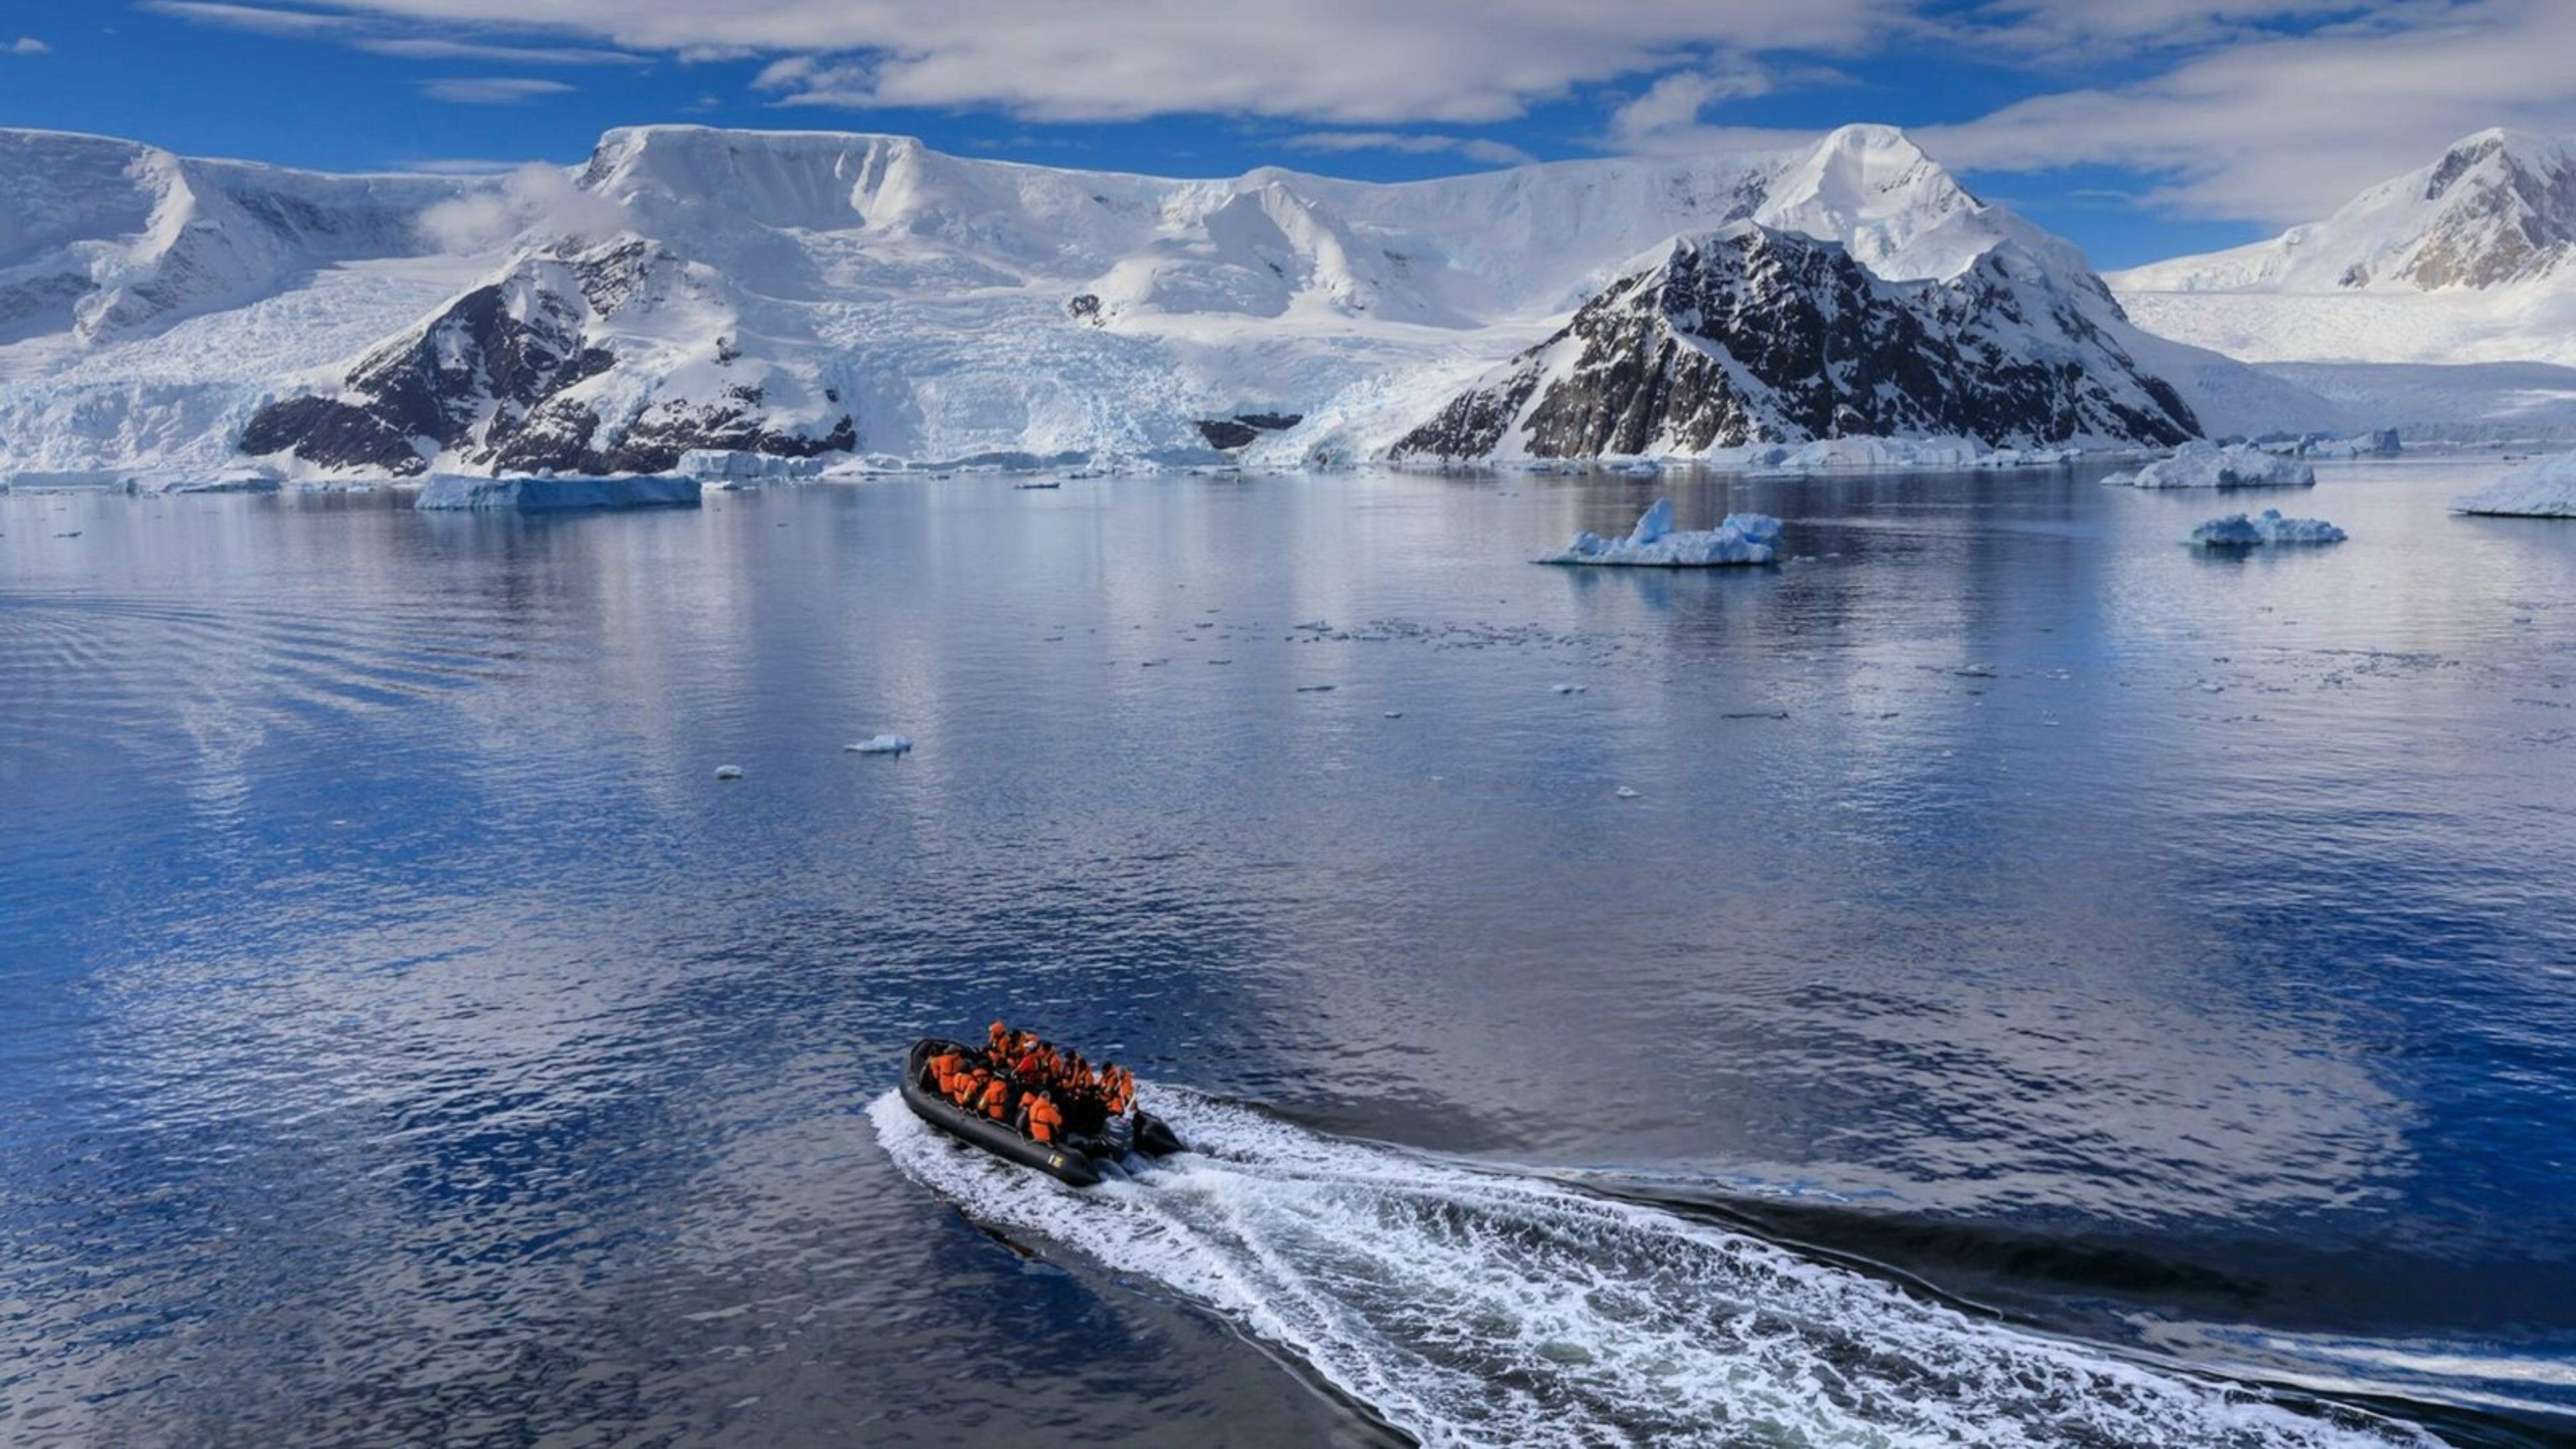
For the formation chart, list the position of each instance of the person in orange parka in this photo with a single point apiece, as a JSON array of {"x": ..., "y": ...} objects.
[
  {"x": 1045, "y": 1121},
  {"x": 994, "y": 1100},
  {"x": 943, "y": 1070}
]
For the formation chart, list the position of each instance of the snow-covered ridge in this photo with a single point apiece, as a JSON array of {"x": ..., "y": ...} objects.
[
  {"x": 786, "y": 292},
  {"x": 1748, "y": 335},
  {"x": 103, "y": 239},
  {"x": 2466, "y": 259}
]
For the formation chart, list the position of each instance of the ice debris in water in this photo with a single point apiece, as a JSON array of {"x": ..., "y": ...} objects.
[
  {"x": 882, "y": 745},
  {"x": 2239, "y": 530},
  {"x": 1743, "y": 538},
  {"x": 1569, "y": 689},
  {"x": 2208, "y": 465},
  {"x": 1625, "y": 793},
  {"x": 728, "y": 772},
  {"x": 2545, "y": 489}
]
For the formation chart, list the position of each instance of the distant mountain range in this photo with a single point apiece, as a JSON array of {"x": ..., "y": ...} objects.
[
  {"x": 2471, "y": 258},
  {"x": 804, "y": 294}
]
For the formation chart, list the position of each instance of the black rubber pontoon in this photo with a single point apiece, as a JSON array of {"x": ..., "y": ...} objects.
[{"x": 1079, "y": 1160}]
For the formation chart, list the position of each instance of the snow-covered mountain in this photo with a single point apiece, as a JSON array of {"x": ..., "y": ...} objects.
[
  {"x": 2469, "y": 259},
  {"x": 798, "y": 292},
  {"x": 1754, "y": 335}
]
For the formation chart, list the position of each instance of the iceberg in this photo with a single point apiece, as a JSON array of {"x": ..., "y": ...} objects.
[
  {"x": 2268, "y": 527},
  {"x": 737, "y": 465},
  {"x": 2208, "y": 465},
  {"x": 2383, "y": 443},
  {"x": 882, "y": 745},
  {"x": 554, "y": 495},
  {"x": 233, "y": 480},
  {"x": 1743, "y": 538},
  {"x": 2545, "y": 489}
]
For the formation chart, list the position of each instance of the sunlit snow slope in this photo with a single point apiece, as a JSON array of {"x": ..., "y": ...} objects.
[
  {"x": 804, "y": 293},
  {"x": 2470, "y": 259}
]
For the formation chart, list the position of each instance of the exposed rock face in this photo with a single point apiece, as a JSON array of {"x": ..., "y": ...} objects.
[
  {"x": 2505, "y": 213},
  {"x": 1228, "y": 434},
  {"x": 515, "y": 376},
  {"x": 1749, "y": 335}
]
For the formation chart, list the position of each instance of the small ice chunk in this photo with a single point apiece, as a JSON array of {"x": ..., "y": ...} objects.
[
  {"x": 2240, "y": 530},
  {"x": 728, "y": 772},
  {"x": 882, "y": 745},
  {"x": 1395, "y": 714},
  {"x": 1743, "y": 538},
  {"x": 2545, "y": 489},
  {"x": 1625, "y": 793},
  {"x": 1569, "y": 689}
]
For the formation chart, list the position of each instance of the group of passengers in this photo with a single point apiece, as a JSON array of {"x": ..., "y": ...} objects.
[{"x": 1043, "y": 1091}]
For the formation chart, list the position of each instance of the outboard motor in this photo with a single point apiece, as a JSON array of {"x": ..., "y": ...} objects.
[{"x": 1117, "y": 1137}]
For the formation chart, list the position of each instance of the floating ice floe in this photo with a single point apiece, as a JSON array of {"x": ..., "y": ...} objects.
[
  {"x": 1625, "y": 793},
  {"x": 448, "y": 491},
  {"x": 735, "y": 465},
  {"x": 234, "y": 480},
  {"x": 1743, "y": 538},
  {"x": 1828, "y": 454},
  {"x": 2381, "y": 444},
  {"x": 2545, "y": 489},
  {"x": 882, "y": 745},
  {"x": 2240, "y": 530},
  {"x": 728, "y": 772},
  {"x": 2208, "y": 465}
]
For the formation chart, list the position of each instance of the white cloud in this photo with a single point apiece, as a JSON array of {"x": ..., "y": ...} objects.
[
  {"x": 2066, "y": 28},
  {"x": 1494, "y": 153},
  {"x": 1340, "y": 62},
  {"x": 258, "y": 19},
  {"x": 25, "y": 45},
  {"x": 491, "y": 90},
  {"x": 423, "y": 47},
  {"x": 376, "y": 36},
  {"x": 537, "y": 197},
  {"x": 1674, "y": 102},
  {"x": 2287, "y": 129}
]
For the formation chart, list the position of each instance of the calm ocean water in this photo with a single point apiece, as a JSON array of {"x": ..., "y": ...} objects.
[{"x": 2040, "y": 986}]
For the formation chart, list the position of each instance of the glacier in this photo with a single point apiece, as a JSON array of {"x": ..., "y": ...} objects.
[{"x": 863, "y": 298}]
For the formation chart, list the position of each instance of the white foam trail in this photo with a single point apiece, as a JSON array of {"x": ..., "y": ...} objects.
[{"x": 1485, "y": 1308}]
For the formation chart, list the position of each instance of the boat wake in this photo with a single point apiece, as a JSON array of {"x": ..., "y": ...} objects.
[{"x": 1469, "y": 1307}]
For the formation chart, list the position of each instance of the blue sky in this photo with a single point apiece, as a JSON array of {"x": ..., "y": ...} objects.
[{"x": 2139, "y": 129}]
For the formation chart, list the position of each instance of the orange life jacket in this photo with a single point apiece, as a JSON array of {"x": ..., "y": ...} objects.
[
  {"x": 964, "y": 1088},
  {"x": 1043, "y": 1120},
  {"x": 996, "y": 1100}
]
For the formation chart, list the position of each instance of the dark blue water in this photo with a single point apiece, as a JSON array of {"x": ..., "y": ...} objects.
[{"x": 2045, "y": 985}]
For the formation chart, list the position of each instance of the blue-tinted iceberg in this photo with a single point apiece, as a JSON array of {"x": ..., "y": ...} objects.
[
  {"x": 2268, "y": 527},
  {"x": 2207, "y": 465},
  {"x": 2546, "y": 489},
  {"x": 1744, "y": 538},
  {"x": 553, "y": 495}
]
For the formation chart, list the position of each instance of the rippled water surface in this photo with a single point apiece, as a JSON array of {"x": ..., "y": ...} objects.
[{"x": 2000, "y": 978}]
